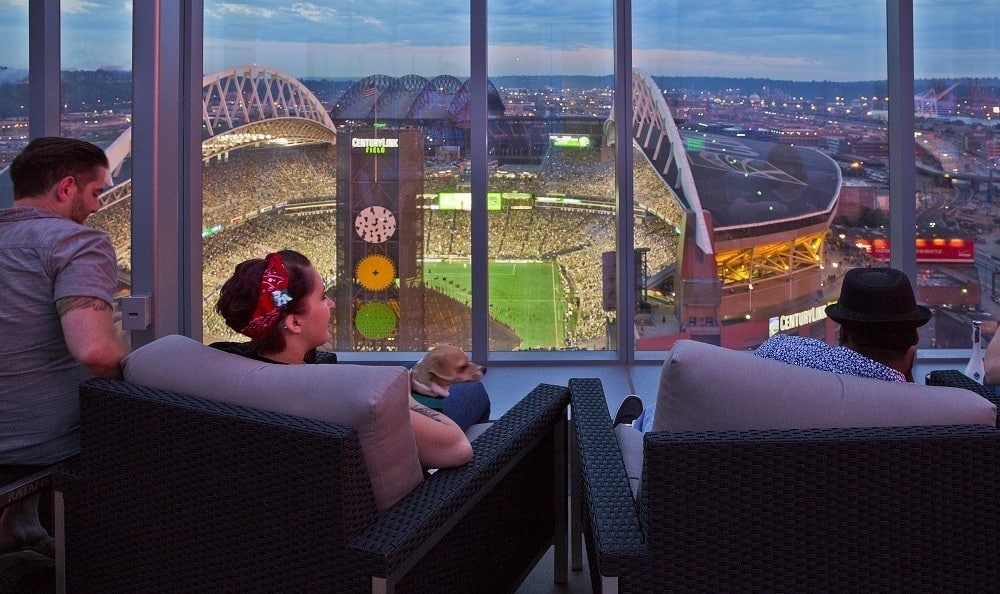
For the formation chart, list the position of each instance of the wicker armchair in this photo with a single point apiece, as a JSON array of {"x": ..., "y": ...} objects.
[
  {"x": 180, "y": 494},
  {"x": 907, "y": 509},
  {"x": 956, "y": 379}
]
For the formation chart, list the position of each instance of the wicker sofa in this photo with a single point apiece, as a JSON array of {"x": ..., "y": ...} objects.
[
  {"x": 874, "y": 509},
  {"x": 181, "y": 494}
]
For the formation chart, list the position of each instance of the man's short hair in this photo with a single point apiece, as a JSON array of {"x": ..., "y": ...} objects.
[
  {"x": 898, "y": 338},
  {"x": 48, "y": 159}
]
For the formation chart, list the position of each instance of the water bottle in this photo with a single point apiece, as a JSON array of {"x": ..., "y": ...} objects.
[{"x": 975, "y": 368}]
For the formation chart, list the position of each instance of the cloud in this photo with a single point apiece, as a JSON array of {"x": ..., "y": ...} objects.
[
  {"x": 231, "y": 8},
  {"x": 311, "y": 12},
  {"x": 80, "y": 6}
]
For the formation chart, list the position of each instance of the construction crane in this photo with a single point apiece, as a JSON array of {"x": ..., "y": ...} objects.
[{"x": 926, "y": 103}]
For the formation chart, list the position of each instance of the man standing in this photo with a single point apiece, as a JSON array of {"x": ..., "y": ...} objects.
[{"x": 59, "y": 278}]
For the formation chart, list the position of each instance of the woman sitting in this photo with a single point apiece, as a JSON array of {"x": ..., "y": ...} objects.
[{"x": 280, "y": 303}]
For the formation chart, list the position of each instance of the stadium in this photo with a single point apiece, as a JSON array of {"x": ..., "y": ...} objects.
[{"x": 727, "y": 225}]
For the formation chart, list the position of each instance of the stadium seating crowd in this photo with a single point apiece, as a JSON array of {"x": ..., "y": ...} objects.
[{"x": 251, "y": 182}]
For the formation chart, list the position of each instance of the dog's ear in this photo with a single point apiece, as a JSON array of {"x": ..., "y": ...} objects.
[{"x": 441, "y": 363}]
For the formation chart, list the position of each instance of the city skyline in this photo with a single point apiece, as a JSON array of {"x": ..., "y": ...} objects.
[{"x": 799, "y": 41}]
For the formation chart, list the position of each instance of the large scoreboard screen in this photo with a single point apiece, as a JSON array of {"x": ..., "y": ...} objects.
[
  {"x": 569, "y": 140},
  {"x": 455, "y": 201},
  {"x": 463, "y": 201}
]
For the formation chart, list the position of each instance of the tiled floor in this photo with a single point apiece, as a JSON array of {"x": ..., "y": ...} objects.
[{"x": 540, "y": 580}]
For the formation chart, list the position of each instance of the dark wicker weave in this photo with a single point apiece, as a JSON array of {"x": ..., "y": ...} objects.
[
  {"x": 180, "y": 494},
  {"x": 957, "y": 379},
  {"x": 907, "y": 509}
]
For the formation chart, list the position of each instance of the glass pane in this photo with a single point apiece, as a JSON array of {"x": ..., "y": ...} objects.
[
  {"x": 328, "y": 126},
  {"x": 750, "y": 118},
  {"x": 957, "y": 107},
  {"x": 13, "y": 86},
  {"x": 96, "y": 89},
  {"x": 551, "y": 200}
]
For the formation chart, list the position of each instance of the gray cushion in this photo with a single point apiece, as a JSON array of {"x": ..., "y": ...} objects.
[
  {"x": 630, "y": 442},
  {"x": 374, "y": 400},
  {"x": 709, "y": 388},
  {"x": 476, "y": 430}
]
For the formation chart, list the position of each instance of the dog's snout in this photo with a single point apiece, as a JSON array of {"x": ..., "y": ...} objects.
[{"x": 482, "y": 368}]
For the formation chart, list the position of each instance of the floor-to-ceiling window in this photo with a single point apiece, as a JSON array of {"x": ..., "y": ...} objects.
[
  {"x": 551, "y": 199},
  {"x": 750, "y": 121},
  {"x": 957, "y": 134},
  {"x": 341, "y": 130},
  {"x": 13, "y": 80},
  {"x": 743, "y": 113}
]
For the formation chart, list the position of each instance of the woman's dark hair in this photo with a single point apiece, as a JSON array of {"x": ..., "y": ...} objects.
[
  {"x": 48, "y": 159},
  {"x": 239, "y": 295}
]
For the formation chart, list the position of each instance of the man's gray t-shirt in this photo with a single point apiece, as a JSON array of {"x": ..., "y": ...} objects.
[{"x": 43, "y": 258}]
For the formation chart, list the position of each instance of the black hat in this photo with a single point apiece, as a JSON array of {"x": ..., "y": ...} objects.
[{"x": 878, "y": 296}]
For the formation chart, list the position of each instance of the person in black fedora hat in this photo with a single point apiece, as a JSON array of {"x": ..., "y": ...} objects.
[{"x": 878, "y": 316}]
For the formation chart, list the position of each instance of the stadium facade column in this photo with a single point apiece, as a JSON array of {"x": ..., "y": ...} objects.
[
  {"x": 380, "y": 291},
  {"x": 698, "y": 286}
]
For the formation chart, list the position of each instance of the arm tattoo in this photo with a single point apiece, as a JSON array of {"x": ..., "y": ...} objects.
[
  {"x": 68, "y": 304},
  {"x": 429, "y": 413}
]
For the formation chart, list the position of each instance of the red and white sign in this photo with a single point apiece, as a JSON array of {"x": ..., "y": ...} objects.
[{"x": 928, "y": 250}]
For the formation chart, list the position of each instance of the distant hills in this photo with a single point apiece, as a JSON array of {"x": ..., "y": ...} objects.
[{"x": 113, "y": 88}]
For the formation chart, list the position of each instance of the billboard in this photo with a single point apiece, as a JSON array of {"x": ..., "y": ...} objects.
[
  {"x": 928, "y": 250},
  {"x": 518, "y": 200},
  {"x": 569, "y": 140},
  {"x": 455, "y": 201}
]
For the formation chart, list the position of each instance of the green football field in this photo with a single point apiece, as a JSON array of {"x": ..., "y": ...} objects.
[{"x": 525, "y": 296}]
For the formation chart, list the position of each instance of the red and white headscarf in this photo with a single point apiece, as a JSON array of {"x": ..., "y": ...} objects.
[{"x": 273, "y": 298}]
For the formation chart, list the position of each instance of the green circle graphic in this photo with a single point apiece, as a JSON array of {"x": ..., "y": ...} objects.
[{"x": 375, "y": 321}]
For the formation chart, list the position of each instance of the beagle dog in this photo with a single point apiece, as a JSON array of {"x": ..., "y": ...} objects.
[{"x": 440, "y": 367}]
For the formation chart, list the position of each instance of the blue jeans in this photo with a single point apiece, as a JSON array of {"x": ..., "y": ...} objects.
[
  {"x": 467, "y": 404},
  {"x": 644, "y": 422}
]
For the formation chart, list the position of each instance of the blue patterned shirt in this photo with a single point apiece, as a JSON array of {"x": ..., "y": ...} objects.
[{"x": 809, "y": 352}]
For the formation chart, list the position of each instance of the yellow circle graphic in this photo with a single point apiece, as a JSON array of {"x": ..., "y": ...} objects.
[{"x": 375, "y": 272}]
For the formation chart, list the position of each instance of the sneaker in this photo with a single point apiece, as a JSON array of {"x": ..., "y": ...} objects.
[{"x": 629, "y": 410}]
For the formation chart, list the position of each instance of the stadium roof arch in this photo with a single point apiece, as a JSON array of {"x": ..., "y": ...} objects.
[
  {"x": 751, "y": 188},
  {"x": 435, "y": 98},
  {"x": 410, "y": 97},
  {"x": 244, "y": 106},
  {"x": 656, "y": 133}
]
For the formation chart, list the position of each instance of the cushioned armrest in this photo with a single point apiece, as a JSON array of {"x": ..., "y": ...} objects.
[
  {"x": 607, "y": 498},
  {"x": 451, "y": 493},
  {"x": 956, "y": 379}
]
